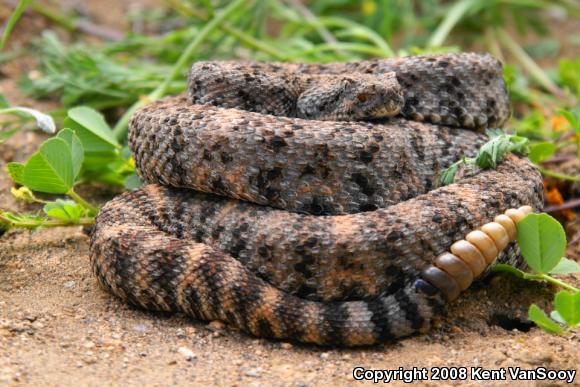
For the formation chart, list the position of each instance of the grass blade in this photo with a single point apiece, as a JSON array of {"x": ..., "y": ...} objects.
[
  {"x": 120, "y": 129},
  {"x": 528, "y": 63},
  {"x": 12, "y": 21},
  {"x": 453, "y": 17}
]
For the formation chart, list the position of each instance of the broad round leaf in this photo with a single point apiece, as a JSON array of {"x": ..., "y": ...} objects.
[
  {"x": 566, "y": 266},
  {"x": 16, "y": 170},
  {"x": 76, "y": 147},
  {"x": 94, "y": 122},
  {"x": 99, "y": 144},
  {"x": 542, "y": 241},
  {"x": 541, "y": 151},
  {"x": 538, "y": 316},
  {"x": 132, "y": 182},
  {"x": 568, "y": 306},
  {"x": 66, "y": 210},
  {"x": 50, "y": 169}
]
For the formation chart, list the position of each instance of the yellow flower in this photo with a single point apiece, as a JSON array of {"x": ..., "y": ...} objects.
[{"x": 368, "y": 7}]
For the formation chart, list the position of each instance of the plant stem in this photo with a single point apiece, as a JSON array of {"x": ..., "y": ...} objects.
[
  {"x": 560, "y": 176},
  {"x": 564, "y": 206},
  {"x": 555, "y": 281},
  {"x": 85, "y": 221},
  {"x": 93, "y": 210},
  {"x": 12, "y": 21},
  {"x": 120, "y": 129}
]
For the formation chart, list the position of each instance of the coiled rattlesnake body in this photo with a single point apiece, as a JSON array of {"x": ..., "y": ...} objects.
[{"x": 330, "y": 232}]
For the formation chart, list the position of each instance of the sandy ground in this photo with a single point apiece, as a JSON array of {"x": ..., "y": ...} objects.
[{"x": 57, "y": 327}]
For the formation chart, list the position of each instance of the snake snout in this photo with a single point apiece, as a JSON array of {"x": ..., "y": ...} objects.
[{"x": 389, "y": 104}]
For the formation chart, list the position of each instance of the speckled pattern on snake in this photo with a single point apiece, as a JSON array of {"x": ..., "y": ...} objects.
[{"x": 323, "y": 223}]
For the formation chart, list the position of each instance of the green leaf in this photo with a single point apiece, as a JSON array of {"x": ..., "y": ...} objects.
[
  {"x": 77, "y": 151},
  {"x": 503, "y": 267},
  {"x": 541, "y": 151},
  {"x": 566, "y": 266},
  {"x": 16, "y": 170},
  {"x": 532, "y": 126},
  {"x": 569, "y": 74},
  {"x": 94, "y": 123},
  {"x": 542, "y": 241},
  {"x": 447, "y": 176},
  {"x": 9, "y": 220},
  {"x": 572, "y": 120},
  {"x": 491, "y": 153},
  {"x": 132, "y": 182},
  {"x": 98, "y": 142},
  {"x": 568, "y": 306},
  {"x": 67, "y": 210},
  {"x": 554, "y": 315},
  {"x": 538, "y": 316},
  {"x": 50, "y": 169}
]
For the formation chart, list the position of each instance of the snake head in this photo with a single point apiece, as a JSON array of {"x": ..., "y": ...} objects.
[{"x": 351, "y": 98}]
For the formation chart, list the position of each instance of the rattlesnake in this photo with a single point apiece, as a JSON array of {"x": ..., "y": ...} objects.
[{"x": 328, "y": 232}]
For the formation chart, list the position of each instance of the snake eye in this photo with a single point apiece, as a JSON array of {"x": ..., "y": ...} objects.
[{"x": 362, "y": 97}]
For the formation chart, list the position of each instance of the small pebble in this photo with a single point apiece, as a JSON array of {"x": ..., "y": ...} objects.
[
  {"x": 69, "y": 284},
  {"x": 254, "y": 373},
  {"x": 141, "y": 328},
  {"x": 216, "y": 325},
  {"x": 187, "y": 353},
  {"x": 90, "y": 360}
]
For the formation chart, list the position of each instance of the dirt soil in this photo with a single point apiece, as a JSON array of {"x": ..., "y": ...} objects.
[{"x": 57, "y": 327}]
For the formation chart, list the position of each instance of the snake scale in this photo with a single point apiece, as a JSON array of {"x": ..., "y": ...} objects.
[{"x": 299, "y": 202}]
